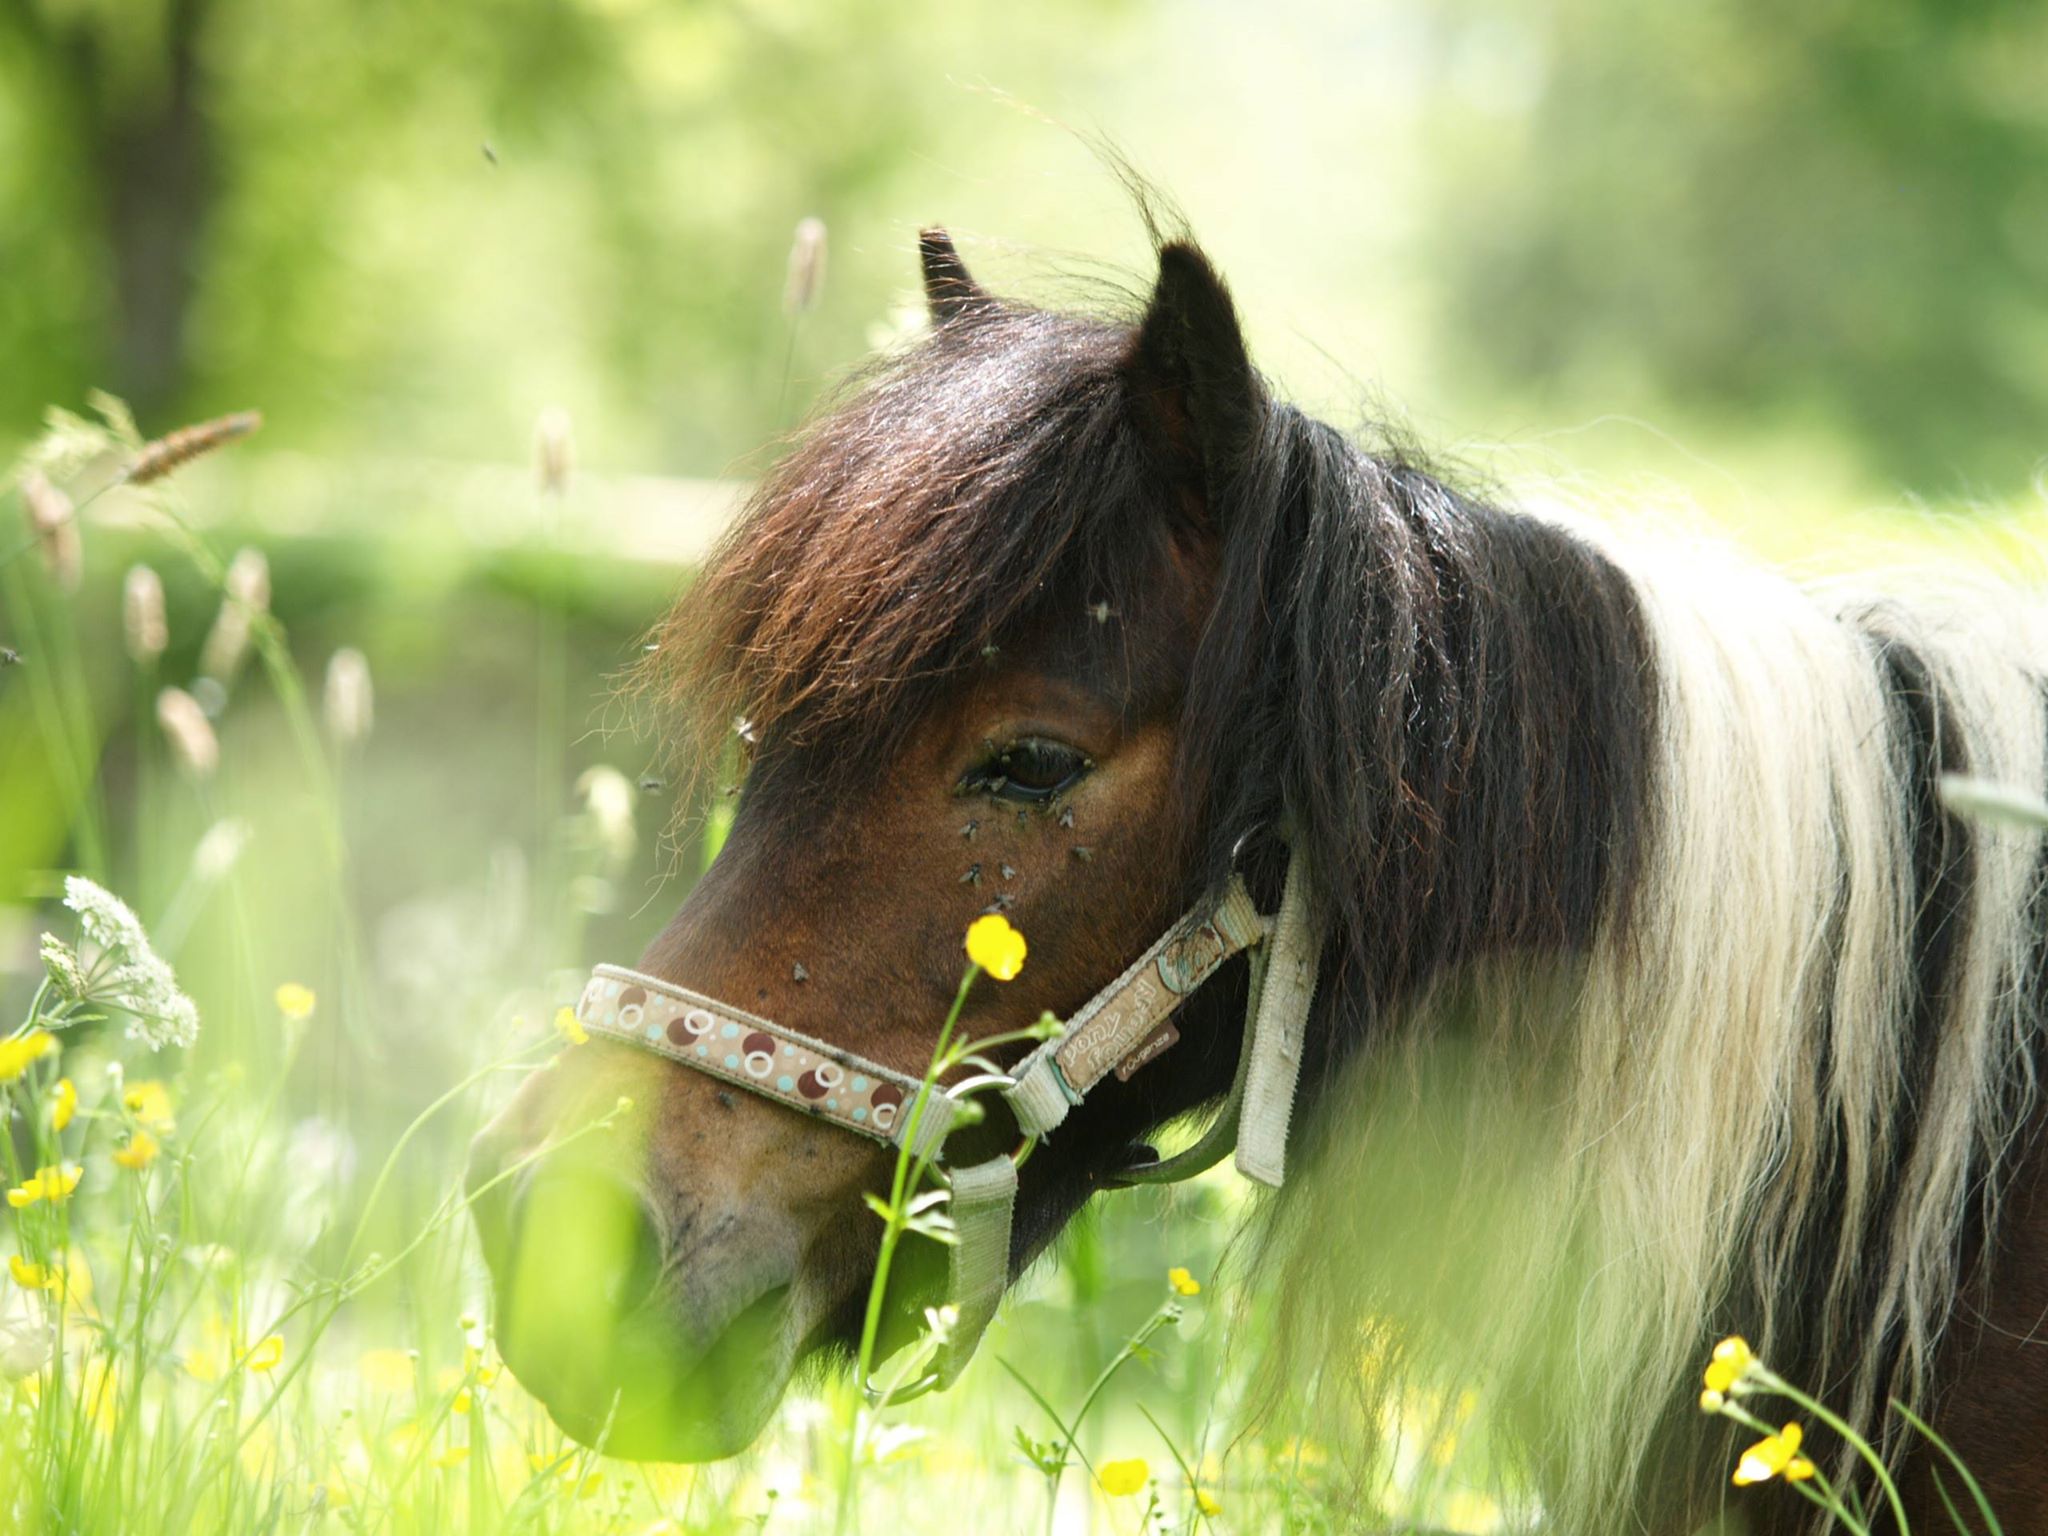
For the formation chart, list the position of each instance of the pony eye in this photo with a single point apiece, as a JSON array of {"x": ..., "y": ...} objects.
[{"x": 1029, "y": 771}]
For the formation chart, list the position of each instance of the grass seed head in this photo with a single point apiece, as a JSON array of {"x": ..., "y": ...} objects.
[
  {"x": 806, "y": 267},
  {"x": 554, "y": 451},
  {"x": 142, "y": 615},
  {"x": 189, "y": 732},
  {"x": 179, "y": 448},
  {"x": 53, "y": 521},
  {"x": 248, "y": 594},
  {"x": 348, "y": 701}
]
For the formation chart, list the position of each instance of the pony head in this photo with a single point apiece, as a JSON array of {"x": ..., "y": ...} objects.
[{"x": 953, "y": 636}]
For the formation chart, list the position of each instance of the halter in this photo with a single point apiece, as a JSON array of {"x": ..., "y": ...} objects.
[{"x": 1119, "y": 1030}]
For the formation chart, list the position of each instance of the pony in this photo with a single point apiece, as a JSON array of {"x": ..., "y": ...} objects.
[{"x": 1659, "y": 994}]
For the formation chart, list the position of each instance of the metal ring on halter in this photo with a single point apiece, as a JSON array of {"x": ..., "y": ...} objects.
[
  {"x": 959, "y": 1091},
  {"x": 876, "y": 1397}
]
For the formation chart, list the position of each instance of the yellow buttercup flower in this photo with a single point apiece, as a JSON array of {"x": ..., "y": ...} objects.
[
  {"x": 1773, "y": 1456},
  {"x": 51, "y": 1184},
  {"x": 565, "y": 1466},
  {"x": 1121, "y": 1478},
  {"x": 386, "y": 1370},
  {"x": 569, "y": 1027},
  {"x": 24, "y": 1051},
  {"x": 63, "y": 1104},
  {"x": 995, "y": 946},
  {"x": 265, "y": 1356},
  {"x": 30, "y": 1277},
  {"x": 141, "y": 1151},
  {"x": 1731, "y": 1361},
  {"x": 454, "y": 1456},
  {"x": 294, "y": 1001},
  {"x": 1183, "y": 1283},
  {"x": 149, "y": 1101},
  {"x": 1208, "y": 1503},
  {"x": 474, "y": 1364}
]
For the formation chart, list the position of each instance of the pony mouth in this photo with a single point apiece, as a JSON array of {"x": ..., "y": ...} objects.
[{"x": 667, "y": 1402}]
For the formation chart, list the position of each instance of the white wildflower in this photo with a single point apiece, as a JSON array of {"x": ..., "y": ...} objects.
[
  {"x": 106, "y": 918},
  {"x": 127, "y": 974},
  {"x": 27, "y": 1340},
  {"x": 60, "y": 961}
]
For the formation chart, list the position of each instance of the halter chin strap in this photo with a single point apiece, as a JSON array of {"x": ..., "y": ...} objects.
[{"x": 1120, "y": 1029}]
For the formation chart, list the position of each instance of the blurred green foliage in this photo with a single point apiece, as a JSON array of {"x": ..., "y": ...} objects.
[
  {"x": 401, "y": 228},
  {"x": 1835, "y": 212}
]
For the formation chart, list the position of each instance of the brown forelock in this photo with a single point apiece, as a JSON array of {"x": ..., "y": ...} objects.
[{"x": 984, "y": 491}]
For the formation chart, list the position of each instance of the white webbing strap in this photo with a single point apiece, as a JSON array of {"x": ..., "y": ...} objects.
[
  {"x": 978, "y": 1265},
  {"x": 1054, "y": 1078},
  {"x": 1274, "y": 1042}
]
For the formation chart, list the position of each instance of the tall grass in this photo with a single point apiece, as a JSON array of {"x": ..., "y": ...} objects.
[
  {"x": 226, "y": 1323},
  {"x": 257, "y": 1305}
]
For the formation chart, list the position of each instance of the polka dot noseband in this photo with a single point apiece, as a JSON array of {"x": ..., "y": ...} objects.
[{"x": 750, "y": 1052}]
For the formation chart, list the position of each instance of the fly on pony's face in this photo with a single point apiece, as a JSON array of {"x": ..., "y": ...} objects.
[{"x": 1071, "y": 618}]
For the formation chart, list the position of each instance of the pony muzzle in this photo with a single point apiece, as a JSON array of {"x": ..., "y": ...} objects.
[{"x": 652, "y": 1348}]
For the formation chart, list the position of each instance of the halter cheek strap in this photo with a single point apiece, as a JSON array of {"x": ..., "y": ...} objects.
[{"x": 1121, "y": 1027}]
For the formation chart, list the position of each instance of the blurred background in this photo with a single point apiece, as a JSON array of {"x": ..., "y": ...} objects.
[
  {"x": 403, "y": 229},
  {"x": 1786, "y": 266}
]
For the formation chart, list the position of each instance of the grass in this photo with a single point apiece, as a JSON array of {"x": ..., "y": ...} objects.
[
  {"x": 276, "y": 1320},
  {"x": 279, "y": 1321}
]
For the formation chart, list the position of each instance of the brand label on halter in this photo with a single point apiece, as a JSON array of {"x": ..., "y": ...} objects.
[
  {"x": 1150, "y": 1049},
  {"x": 1123, "y": 1020}
]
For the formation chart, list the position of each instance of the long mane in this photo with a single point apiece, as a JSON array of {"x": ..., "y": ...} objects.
[{"x": 1663, "y": 998}]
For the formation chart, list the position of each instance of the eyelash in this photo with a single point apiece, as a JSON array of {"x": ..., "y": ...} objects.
[{"x": 997, "y": 775}]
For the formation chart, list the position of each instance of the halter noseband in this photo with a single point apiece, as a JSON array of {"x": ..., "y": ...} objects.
[{"x": 1113, "y": 1030}]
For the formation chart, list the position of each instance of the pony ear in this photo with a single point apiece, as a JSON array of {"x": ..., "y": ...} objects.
[
  {"x": 949, "y": 290},
  {"x": 1189, "y": 373}
]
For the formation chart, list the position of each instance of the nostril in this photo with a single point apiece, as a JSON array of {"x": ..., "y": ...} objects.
[{"x": 637, "y": 1279}]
